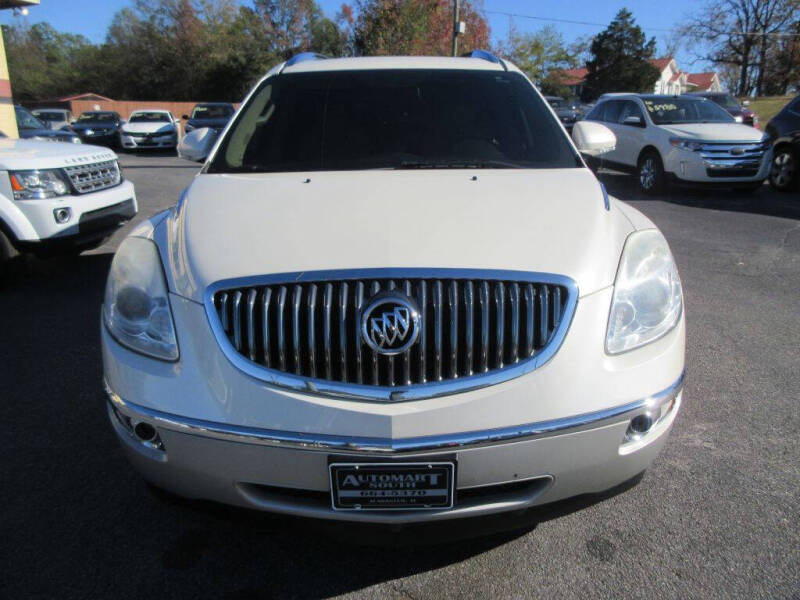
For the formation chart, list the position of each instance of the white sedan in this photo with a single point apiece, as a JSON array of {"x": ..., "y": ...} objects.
[
  {"x": 394, "y": 293},
  {"x": 150, "y": 129}
]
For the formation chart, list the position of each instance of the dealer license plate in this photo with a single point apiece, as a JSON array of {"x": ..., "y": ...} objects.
[{"x": 392, "y": 486}]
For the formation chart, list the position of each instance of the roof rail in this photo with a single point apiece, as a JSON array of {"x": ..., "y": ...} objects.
[
  {"x": 302, "y": 57},
  {"x": 485, "y": 55}
]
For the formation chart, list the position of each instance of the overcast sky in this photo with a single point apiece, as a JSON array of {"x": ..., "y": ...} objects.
[{"x": 91, "y": 17}]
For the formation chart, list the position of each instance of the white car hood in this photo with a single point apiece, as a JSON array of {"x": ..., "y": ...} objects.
[
  {"x": 549, "y": 221},
  {"x": 148, "y": 127},
  {"x": 716, "y": 132},
  {"x": 27, "y": 154}
]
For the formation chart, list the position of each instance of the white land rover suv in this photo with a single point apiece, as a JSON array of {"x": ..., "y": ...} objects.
[
  {"x": 683, "y": 140},
  {"x": 394, "y": 293},
  {"x": 59, "y": 197}
]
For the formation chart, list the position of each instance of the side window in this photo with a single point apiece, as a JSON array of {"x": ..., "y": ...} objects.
[
  {"x": 596, "y": 114},
  {"x": 630, "y": 109},
  {"x": 612, "y": 111},
  {"x": 794, "y": 107}
]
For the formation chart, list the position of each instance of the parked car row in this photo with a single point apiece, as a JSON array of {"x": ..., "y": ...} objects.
[{"x": 147, "y": 128}]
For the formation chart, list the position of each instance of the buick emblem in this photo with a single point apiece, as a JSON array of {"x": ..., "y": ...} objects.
[{"x": 390, "y": 323}]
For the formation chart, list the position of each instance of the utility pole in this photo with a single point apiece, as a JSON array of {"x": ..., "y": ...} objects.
[{"x": 456, "y": 27}]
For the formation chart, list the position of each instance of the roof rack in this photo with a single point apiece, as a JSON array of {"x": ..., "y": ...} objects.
[
  {"x": 485, "y": 55},
  {"x": 302, "y": 57}
]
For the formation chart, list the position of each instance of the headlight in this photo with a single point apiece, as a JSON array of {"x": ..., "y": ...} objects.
[
  {"x": 136, "y": 306},
  {"x": 36, "y": 185},
  {"x": 76, "y": 140},
  {"x": 647, "y": 300},
  {"x": 188, "y": 128},
  {"x": 686, "y": 144},
  {"x": 89, "y": 131},
  {"x": 739, "y": 118}
]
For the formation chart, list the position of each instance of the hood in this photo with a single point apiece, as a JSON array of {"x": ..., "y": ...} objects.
[
  {"x": 45, "y": 133},
  {"x": 216, "y": 123},
  {"x": 27, "y": 154},
  {"x": 550, "y": 221},
  {"x": 83, "y": 126},
  {"x": 715, "y": 132},
  {"x": 157, "y": 127}
]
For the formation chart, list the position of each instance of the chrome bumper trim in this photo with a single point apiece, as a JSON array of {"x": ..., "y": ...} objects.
[{"x": 372, "y": 445}]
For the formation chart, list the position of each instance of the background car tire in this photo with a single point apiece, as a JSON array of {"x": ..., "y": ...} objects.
[
  {"x": 650, "y": 173},
  {"x": 783, "y": 174}
]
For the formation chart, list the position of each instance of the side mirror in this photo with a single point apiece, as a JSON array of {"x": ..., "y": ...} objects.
[
  {"x": 634, "y": 120},
  {"x": 197, "y": 144},
  {"x": 593, "y": 138}
]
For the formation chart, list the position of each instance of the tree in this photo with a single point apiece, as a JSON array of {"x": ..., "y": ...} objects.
[
  {"x": 537, "y": 54},
  {"x": 752, "y": 36},
  {"x": 44, "y": 63},
  {"x": 620, "y": 59},
  {"x": 391, "y": 27}
]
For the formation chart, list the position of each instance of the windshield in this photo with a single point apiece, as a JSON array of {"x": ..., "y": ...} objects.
[
  {"x": 26, "y": 120},
  {"x": 669, "y": 110},
  {"x": 212, "y": 112},
  {"x": 50, "y": 115},
  {"x": 393, "y": 119},
  {"x": 724, "y": 100},
  {"x": 150, "y": 117},
  {"x": 96, "y": 117}
]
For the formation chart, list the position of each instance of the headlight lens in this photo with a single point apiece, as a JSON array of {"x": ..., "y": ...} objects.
[
  {"x": 686, "y": 144},
  {"x": 36, "y": 185},
  {"x": 76, "y": 140},
  {"x": 136, "y": 306},
  {"x": 647, "y": 299},
  {"x": 739, "y": 119}
]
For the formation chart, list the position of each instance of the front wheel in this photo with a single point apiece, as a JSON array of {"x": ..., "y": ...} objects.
[
  {"x": 651, "y": 174},
  {"x": 783, "y": 174}
]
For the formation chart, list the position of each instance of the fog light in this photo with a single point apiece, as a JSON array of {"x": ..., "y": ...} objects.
[
  {"x": 639, "y": 426},
  {"x": 62, "y": 215}
]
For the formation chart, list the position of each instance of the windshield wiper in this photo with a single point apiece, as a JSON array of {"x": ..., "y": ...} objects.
[{"x": 458, "y": 164}]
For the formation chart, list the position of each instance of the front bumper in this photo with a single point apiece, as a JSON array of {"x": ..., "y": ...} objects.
[
  {"x": 92, "y": 215},
  {"x": 133, "y": 142},
  {"x": 228, "y": 437},
  {"x": 690, "y": 167},
  {"x": 498, "y": 470}
]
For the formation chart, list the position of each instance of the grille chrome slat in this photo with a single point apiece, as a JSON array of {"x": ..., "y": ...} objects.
[
  {"x": 251, "y": 323},
  {"x": 343, "y": 330},
  {"x": 437, "y": 330},
  {"x": 484, "y": 302},
  {"x": 265, "y": 329},
  {"x": 237, "y": 320},
  {"x": 513, "y": 299},
  {"x": 357, "y": 306},
  {"x": 305, "y": 328},
  {"x": 312, "y": 330},
  {"x": 282, "y": 326},
  {"x": 469, "y": 318},
  {"x": 327, "y": 305},
  {"x": 297, "y": 298},
  {"x": 500, "y": 326},
  {"x": 94, "y": 176},
  {"x": 452, "y": 301}
]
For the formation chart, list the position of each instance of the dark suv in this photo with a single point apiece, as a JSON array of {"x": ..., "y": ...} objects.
[
  {"x": 784, "y": 130},
  {"x": 729, "y": 103}
]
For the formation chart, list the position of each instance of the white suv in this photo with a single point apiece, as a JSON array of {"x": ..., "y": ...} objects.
[
  {"x": 681, "y": 139},
  {"x": 58, "y": 198},
  {"x": 394, "y": 293}
]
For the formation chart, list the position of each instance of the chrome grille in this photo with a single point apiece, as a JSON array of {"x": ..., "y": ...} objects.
[
  {"x": 732, "y": 159},
  {"x": 95, "y": 176},
  {"x": 473, "y": 324}
]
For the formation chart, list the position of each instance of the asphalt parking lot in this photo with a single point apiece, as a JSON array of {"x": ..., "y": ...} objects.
[{"x": 716, "y": 515}]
